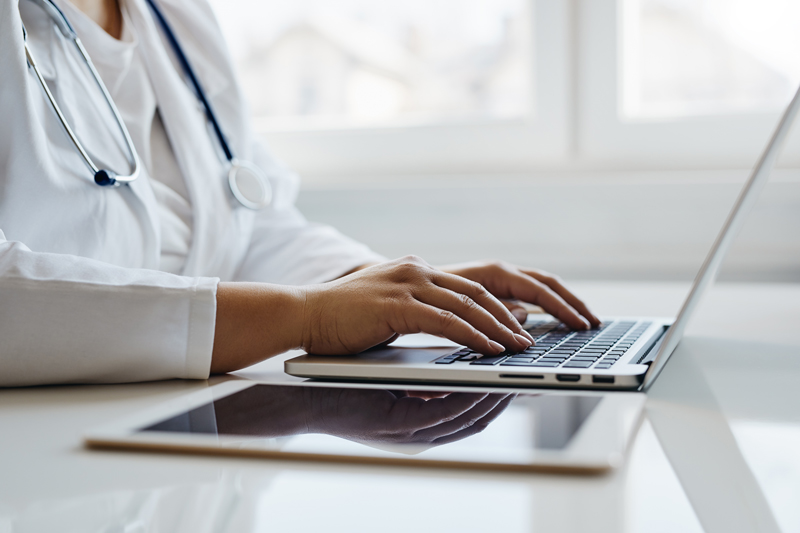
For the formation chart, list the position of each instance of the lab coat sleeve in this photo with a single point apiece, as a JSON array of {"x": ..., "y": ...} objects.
[
  {"x": 68, "y": 319},
  {"x": 285, "y": 248}
]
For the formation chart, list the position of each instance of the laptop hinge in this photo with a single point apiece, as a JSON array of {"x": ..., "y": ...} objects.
[{"x": 650, "y": 354}]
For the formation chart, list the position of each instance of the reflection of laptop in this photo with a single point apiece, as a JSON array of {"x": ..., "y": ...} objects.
[{"x": 626, "y": 353}]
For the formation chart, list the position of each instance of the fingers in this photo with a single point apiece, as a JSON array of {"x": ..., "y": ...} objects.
[
  {"x": 429, "y": 319},
  {"x": 478, "y": 425},
  {"x": 540, "y": 288},
  {"x": 478, "y": 316},
  {"x": 558, "y": 287},
  {"x": 529, "y": 289},
  {"x": 478, "y": 294},
  {"x": 418, "y": 414},
  {"x": 466, "y": 420},
  {"x": 519, "y": 312}
]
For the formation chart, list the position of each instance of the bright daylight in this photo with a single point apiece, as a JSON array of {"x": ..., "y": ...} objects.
[{"x": 401, "y": 266}]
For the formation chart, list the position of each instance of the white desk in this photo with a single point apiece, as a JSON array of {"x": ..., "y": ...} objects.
[{"x": 721, "y": 446}]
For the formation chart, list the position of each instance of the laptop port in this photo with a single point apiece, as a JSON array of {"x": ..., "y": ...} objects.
[
  {"x": 603, "y": 379},
  {"x": 568, "y": 377},
  {"x": 523, "y": 376}
]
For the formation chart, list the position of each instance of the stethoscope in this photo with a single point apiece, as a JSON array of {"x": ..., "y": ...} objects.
[{"x": 248, "y": 183}]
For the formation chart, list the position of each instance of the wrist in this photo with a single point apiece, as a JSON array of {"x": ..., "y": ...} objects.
[{"x": 255, "y": 321}]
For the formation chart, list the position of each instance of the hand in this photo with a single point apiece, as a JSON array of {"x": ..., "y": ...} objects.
[
  {"x": 369, "y": 416},
  {"x": 374, "y": 305},
  {"x": 397, "y": 417},
  {"x": 540, "y": 288}
]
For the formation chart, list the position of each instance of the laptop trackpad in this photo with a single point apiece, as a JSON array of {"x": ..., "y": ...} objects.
[{"x": 392, "y": 355}]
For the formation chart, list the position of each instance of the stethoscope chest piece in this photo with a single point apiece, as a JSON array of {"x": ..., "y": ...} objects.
[{"x": 249, "y": 185}]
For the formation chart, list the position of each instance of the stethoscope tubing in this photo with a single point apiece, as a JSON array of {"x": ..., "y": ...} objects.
[
  {"x": 237, "y": 167},
  {"x": 101, "y": 176},
  {"x": 257, "y": 192},
  {"x": 189, "y": 72}
]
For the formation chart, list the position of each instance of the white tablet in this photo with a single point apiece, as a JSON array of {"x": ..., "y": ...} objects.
[{"x": 502, "y": 429}]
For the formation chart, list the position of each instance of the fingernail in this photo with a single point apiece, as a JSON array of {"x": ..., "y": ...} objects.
[
  {"x": 496, "y": 346},
  {"x": 528, "y": 335},
  {"x": 522, "y": 340}
]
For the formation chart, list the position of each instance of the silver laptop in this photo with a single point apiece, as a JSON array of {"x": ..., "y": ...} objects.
[{"x": 624, "y": 353}]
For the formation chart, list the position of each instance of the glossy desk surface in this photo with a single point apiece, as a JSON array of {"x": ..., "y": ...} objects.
[{"x": 719, "y": 450}]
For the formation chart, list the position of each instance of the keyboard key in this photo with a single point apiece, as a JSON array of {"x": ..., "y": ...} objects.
[
  {"x": 516, "y": 363},
  {"x": 487, "y": 361},
  {"x": 451, "y": 358},
  {"x": 545, "y": 363},
  {"x": 578, "y": 364}
]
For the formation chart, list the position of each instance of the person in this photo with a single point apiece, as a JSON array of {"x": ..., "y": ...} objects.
[{"x": 168, "y": 277}]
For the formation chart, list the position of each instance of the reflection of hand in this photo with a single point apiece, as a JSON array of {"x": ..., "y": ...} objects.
[
  {"x": 540, "y": 288},
  {"x": 362, "y": 415},
  {"x": 382, "y": 416}
]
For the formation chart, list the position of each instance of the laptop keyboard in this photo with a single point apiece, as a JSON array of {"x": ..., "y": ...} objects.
[{"x": 558, "y": 346}]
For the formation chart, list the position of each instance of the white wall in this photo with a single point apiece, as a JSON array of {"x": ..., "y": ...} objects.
[{"x": 635, "y": 225}]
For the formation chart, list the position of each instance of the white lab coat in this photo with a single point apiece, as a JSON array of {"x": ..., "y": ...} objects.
[{"x": 81, "y": 296}]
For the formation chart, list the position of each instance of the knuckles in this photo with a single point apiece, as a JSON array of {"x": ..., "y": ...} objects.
[
  {"x": 499, "y": 266},
  {"x": 466, "y": 301},
  {"x": 409, "y": 269},
  {"x": 446, "y": 317},
  {"x": 478, "y": 289}
]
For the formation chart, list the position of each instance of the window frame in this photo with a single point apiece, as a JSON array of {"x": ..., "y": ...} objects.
[
  {"x": 609, "y": 139},
  {"x": 543, "y": 138},
  {"x": 577, "y": 119}
]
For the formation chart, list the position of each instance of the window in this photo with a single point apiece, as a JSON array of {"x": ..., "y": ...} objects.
[
  {"x": 353, "y": 63},
  {"x": 664, "y": 84},
  {"x": 445, "y": 85},
  {"x": 344, "y": 87},
  {"x": 702, "y": 57}
]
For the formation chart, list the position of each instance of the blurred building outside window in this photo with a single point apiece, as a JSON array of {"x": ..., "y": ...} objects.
[
  {"x": 342, "y": 86},
  {"x": 702, "y": 57},
  {"x": 345, "y": 63}
]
